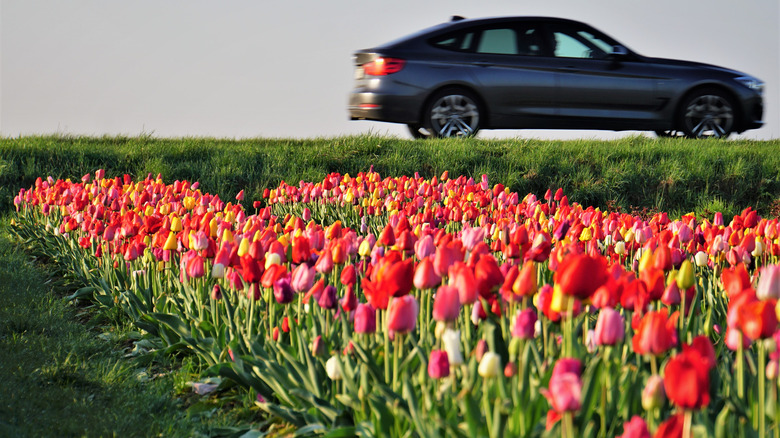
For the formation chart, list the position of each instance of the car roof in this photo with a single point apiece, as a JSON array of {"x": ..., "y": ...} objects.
[{"x": 457, "y": 22}]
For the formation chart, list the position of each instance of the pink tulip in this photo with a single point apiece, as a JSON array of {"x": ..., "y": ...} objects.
[
  {"x": 365, "y": 319},
  {"x": 635, "y": 428},
  {"x": 565, "y": 389},
  {"x": 610, "y": 328},
  {"x": 402, "y": 314},
  {"x": 325, "y": 263},
  {"x": 424, "y": 247},
  {"x": 425, "y": 276},
  {"x": 302, "y": 278},
  {"x": 525, "y": 324},
  {"x": 769, "y": 283},
  {"x": 438, "y": 364},
  {"x": 446, "y": 304}
]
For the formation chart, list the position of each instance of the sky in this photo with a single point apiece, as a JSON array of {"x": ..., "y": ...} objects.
[{"x": 238, "y": 69}]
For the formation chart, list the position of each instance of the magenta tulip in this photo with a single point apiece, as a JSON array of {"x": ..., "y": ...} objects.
[
  {"x": 365, "y": 319},
  {"x": 525, "y": 324},
  {"x": 438, "y": 364},
  {"x": 610, "y": 328}
]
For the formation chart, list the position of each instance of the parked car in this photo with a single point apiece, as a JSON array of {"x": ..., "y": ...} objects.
[{"x": 544, "y": 73}]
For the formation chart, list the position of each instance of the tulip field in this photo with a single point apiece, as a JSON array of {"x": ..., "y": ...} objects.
[{"x": 400, "y": 306}]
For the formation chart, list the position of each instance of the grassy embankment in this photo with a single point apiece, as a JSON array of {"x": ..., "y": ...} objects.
[
  {"x": 671, "y": 175},
  {"x": 63, "y": 368}
]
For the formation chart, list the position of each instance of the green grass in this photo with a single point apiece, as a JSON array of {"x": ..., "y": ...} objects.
[
  {"x": 672, "y": 175},
  {"x": 63, "y": 370}
]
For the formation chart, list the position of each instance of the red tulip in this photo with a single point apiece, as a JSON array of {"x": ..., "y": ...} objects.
[
  {"x": 735, "y": 280},
  {"x": 195, "y": 266},
  {"x": 273, "y": 273},
  {"x": 687, "y": 380},
  {"x": 579, "y": 275},
  {"x": 402, "y": 314},
  {"x": 757, "y": 319},
  {"x": 251, "y": 269},
  {"x": 386, "y": 237},
  {"x": 446, "y": 304},
  {"x": 462, "y": 278},
  {"x": 487, "y": 275},
  {"x": 656, "y": 333},
  {"x": 444, "y": 258},
  {"x": 300, "y": 250},
  {"x": 398, "y": 278},
  {"x": 348, "y": 275}
]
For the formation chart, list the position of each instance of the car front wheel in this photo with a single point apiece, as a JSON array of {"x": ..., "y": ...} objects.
[
  {"x": 453, "y": 113},
  {"x": 707, "y": 113}
]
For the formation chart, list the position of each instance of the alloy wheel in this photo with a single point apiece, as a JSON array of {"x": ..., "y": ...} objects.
[
  {"x": 709, "y": 115},
  {"x": 454, "y": 115}
]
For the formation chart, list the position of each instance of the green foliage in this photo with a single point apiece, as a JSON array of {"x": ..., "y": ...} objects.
[
  {"x": 673, "y": 175},
  {"x": 74, "y": 371}
]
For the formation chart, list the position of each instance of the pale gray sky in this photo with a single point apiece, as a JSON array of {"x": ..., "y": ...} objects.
[{"x": 238, "y": 69}]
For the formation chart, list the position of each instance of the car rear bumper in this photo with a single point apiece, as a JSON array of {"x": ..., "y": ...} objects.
[{"x": 386, "y": 101}]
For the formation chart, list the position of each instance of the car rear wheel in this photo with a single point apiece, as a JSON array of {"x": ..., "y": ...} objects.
[
  {"x": 453, "y": 113},
  {"x": 707, "y": 113}
]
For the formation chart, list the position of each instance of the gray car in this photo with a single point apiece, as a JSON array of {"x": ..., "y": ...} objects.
[{"x": 544, "y": 73}]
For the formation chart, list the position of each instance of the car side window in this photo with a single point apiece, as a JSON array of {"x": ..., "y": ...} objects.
[
  {"x": 498, "y": 42},
  {"x": 530, "y": 42},
  {"x": 573, "y": 43},
  {"x": 459, "y": 41}
]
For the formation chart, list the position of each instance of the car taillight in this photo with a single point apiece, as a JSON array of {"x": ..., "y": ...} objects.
[{"x": 383, "y": 66}]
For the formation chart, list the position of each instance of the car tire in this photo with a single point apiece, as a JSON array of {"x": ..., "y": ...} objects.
[
  {"x": 453, "y": 112},
  {"x": 707, "y": 113}
]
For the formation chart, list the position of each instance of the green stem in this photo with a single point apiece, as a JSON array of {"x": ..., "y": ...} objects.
[
  {"x": 761, "y": 389},
  {"x": 740, "y": 370},
  {"x": 687, "y": 424},
  {"x": 397, "y": 346}
]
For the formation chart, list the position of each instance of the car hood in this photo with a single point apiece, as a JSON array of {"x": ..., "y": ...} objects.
[{"x": 681, "y": 63}]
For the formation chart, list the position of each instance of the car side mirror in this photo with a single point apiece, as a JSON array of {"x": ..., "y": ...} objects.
[{"x": 619, "y": 52}]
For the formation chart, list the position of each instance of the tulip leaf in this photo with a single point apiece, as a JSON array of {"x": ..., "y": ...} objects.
[{"x": 87, "y": 291}]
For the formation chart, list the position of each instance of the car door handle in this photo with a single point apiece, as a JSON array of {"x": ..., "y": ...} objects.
[{"x": 483, "y": 64}]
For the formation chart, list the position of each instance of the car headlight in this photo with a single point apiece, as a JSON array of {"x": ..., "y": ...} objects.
[{"x": 751, "y": 82}]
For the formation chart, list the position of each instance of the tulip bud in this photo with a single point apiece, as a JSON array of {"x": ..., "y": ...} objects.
[
  {"x": 653, "y": 395},
  {"x": 318, "y": 348},
  {"x": 216, "y": 292},
  {"x": 771, "y": 369},
  {"x": 620, "y": 248},
  {"x": 438, "y": 364},
  {"x": 490, "y": 365},
  {"x": 510, "y": 370},
  {"x": 450, "y": 340},
  {"x": 610, "y": 328},
  {"x": 701, "y": 258},
  {"x": 332, "y": 368},
  {"x": 685, "y": 277},
  {"x": 481, "y": 349}
]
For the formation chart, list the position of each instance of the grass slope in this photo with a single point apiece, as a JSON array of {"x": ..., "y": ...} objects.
[
  {"x": 674, "y": 175},
  {"x": 63, "y": 370}
]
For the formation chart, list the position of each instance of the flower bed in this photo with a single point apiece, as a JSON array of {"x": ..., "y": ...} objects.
[{"x": 445, "y": 306}]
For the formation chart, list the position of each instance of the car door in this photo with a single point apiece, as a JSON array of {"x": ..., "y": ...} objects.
[
  {"x": 513, "y": 79},
  {"x": 592, "y": 86}
]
